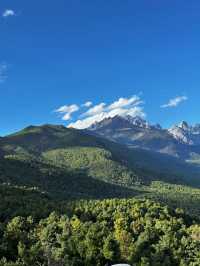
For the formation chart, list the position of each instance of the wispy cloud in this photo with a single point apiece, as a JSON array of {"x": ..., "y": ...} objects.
[
  {"x": 123, "y": 106},
  {"x": 87, "y": 104},
  {"x": 8, "y": 13},
  {"x": 124, "y": 102},
  {"x": 99, "y": 108},
  {"x": 3, "y": 72},
  {"x": 175, "y": 102},
  {"x": 67, "y": 110}
]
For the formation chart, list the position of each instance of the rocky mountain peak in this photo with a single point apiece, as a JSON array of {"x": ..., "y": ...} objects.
[
  {"x": 186, "y": 134},
  {"x": 120, "y": 122},
  {"x": 157, "y": 126},
  {"x": 137, "y": 121},
  {"x": 111, "y": 122},
  {"x": 184, "y": 125}
]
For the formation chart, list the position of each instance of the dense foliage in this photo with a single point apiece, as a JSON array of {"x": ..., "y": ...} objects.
[
  {"x": 59, "y": 183},
  {"x": 95, "y": 162},
  {"x": 139, "y": 232}
]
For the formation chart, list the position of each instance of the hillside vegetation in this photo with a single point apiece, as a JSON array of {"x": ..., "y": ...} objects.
[
  {"x": 71, "y": 199},
  {"x": 120, "y": 164},
  {"x": 68, "y": 164},
  {"x": 139, "y": 232},
  {"x": 57, "y": 182},
  {"x": 95, "y": 162}
]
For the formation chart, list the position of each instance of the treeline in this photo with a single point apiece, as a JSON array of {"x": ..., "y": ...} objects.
[{"x": 138, "y": 232}]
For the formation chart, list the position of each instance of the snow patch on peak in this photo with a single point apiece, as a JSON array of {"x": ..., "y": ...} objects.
[
  {"x": 137, "y": 121},
  {"x": 186, "y": 134}
]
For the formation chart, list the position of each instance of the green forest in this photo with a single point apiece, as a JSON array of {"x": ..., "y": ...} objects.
[
  {"x": 68, "y": 199},
  {"x": 138, "y": 232}
]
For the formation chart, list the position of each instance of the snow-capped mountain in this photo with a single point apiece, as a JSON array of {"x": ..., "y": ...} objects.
[
  {"x": 119, "y": 122},
  {"x": 181, "y": 141},
  {"x": 140, "y": 122},
  {"x": 186, "y": 134},
  {"x": 137, "y": 121}
]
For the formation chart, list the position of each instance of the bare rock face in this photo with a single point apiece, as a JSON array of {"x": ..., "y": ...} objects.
[
  {"x": 137, "y": 121},
  {"x": 186, "y": 134},
  {"x": 181, "y": 133},
  {"x": 119, "y": 122},
  {"x": 184, "y": 125}
]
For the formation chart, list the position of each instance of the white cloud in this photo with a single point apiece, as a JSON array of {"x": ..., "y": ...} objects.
[
  {"x": 67, "y": 108},
  {"x": 3, "y": 72},
  {"x": 123, "y": 106},
  {"x": 174, "y": 102},
  {"x": 123, "y": 102},
  {"x": 67, "y": 111},
  {"x": 97, "y": 109},
  {"x": 8, "y": 13},
  {"x": 86, "y": 122},
  {"x": 87, "y": 104}
]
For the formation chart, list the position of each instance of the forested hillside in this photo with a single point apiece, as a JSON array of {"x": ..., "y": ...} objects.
[
  {"x": 76, "y": 150},
  {"x": 69, "y": 164},
  {"x": 68, "y": 198},
  {"x": 139, "y": 232}
]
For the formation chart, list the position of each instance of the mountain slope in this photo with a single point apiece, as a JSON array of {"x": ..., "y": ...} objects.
[
  {"x": 184, "y": 133},
  {"x": 37, "y": 139},
  {"x": 138, "y": 133},
  {"x": 57, "y": 182},
  {"x": 86, "y": 157},
  {"x": 95, "y": 162}
]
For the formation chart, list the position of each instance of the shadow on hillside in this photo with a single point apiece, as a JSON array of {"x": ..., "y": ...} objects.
[{"x": 61, "y": 184}]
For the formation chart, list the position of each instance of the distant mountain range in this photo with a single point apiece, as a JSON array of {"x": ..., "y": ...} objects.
[{"x": 181, "y": 141}]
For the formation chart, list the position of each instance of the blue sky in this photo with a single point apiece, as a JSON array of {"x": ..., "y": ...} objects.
[{"x": 63, "y": 53}]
